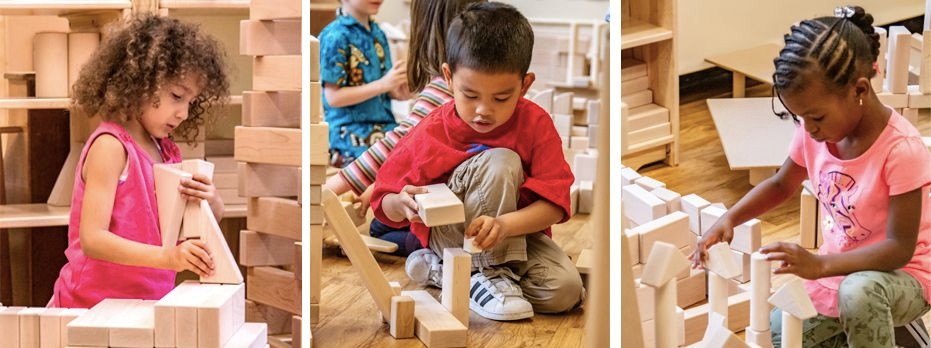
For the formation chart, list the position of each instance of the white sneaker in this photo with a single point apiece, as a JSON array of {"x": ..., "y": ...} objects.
[
  {"x": 498, "y": 298},
  {"x": 423, "y": 266}
]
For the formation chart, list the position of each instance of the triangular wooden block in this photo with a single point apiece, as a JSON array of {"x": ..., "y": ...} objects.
[
  {"x": 721, "y": 261},
  {"x": 225, "y": 269},
  {"x": 191, "y": 224},
  {"x": 721, "y": 337},
  {"x": 170, "y": 203},
  {"x": 793, "y": 298},
  {"x": 664, "y": 263},
  {"x": 715, "y": 321}
]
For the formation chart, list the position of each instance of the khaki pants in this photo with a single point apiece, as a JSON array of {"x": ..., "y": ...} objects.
[{"x": 488, "y": 184}]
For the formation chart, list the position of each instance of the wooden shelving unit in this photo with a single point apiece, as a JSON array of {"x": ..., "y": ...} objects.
[
  {"x": 60, "y": 7},
  {"x": 206, "y": 7},
  {"x": 648, "y": 34}
]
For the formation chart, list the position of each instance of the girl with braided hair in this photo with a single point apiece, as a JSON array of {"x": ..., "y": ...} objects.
[{"x": 871, "y": 172}]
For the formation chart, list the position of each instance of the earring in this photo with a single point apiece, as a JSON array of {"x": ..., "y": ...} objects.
[{"x": 861, "y": 101}]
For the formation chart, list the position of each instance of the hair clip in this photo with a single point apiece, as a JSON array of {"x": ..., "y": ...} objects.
[{"x": 843, "y": 11}]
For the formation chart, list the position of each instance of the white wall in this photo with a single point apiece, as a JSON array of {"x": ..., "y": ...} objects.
[
  {"x": 393, "y": 11},
  {"x": 710, "y": 27}
]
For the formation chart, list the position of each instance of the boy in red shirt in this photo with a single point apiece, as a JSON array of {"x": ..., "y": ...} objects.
[{"x": 501, "y": 155}]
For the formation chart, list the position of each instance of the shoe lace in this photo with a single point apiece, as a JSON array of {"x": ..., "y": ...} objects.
[{"x": 503, "y": 286}]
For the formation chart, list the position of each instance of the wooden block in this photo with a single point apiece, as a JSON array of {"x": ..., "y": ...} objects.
[
  {"x": 648, "y": 327},
  {"x": 277, "y": 216},
  {"x": 316, "y": 214},
  {"x": 878, "y": 80},
  {"x": 81, "y": 47},
  {"x": 911, "y": 115},
  {"x": 231, "y": 196},
  {"x": 793, "y": 299},
  {"x": 649, "y": 183},
  {"x": 279, "y": 288},
  {"x": 639, "y": 99},
  {"x": 640, "y": 205},
  {"x": 672, "y": 229},
  {"x": 544, "y": 99},
  {"x": 744, "y": 261},
  {"x": 296, "y": 331},
  {"x": 893, "y": 100},
  {"x": 579, "y": 142},
  {"x": 664, "y": 262},
  {"x": 808, "y": 219},
  {"x": 649, "y": 133},
  {"x": 692, "y": 204},
  {"x": 402, "y": 316},
  {"x": 29, "y": 327},
  {"x": 578, "y": 131},
  {"x": 164, "y": 313},
  {"x": 268, "y": 145},
  {"x": 170, "y": 204},
  {"x": 592, "y": 111},
  {"x": 759, "y": 338},
  {"x": 562, "y": 103},
  {"x": 223, "y": 164},
  {"x": 632, "y": 68},
  {"x": 226, "y": 181},
  {"x": 696, "y": 318},
  {"x": 221, "y": 315},
  {"x": 249, "y": 335},
  {"x": 319, "y": 144},
  {"x": 917, "y": 99},
  {"x": 276, "y": 73},
  {"x": 574, "y": 199},
  {"x": 225, "y": 269},
  {"x": 134, "y": 326},
  {"x": 64, "y": 185},
  {"x": 317, "y": 175},
  {"x": 721, "y": 337},
  {"x": 93, "y": 327},
  {"x": 192, "y": 151},
  {"x": 747, "y": 236},
  {"x": 50, "y": 328},
  {"x": 270, "y": 37},
  {"x": 434, "y": 325},
  {"x": 721, "y": 262},
  {"x": 924, "y": 76},
  {"x": 628, "y": 176},
  {"x": 646, "y": 116},
  {"x": 692, "y": 289},
  {"x": 897, "y": 64},
  {"x": 469, "y": 246},
  {"x": 584, "y": 262},
  {"x": 258, "y": 180},
  {"x": 585, "y": 167},
  {"x": 274, "y": 9},
  {"x": 9, "y": 326},
  {"x": 439, "y": 206},
  {"x": 272, "y": 109},
  {"x": 709, "y": 216},
  {"x": 316, "y": 105},
  {"x": 457, "y": 267},
  {"x": 563, "y": 124},
  {"x": 634, "y": 85},
  {"x": 67, "y": 315},
  {"x": 50, "y": 51},
  {"x": 586, "y": 197},
  {"x": 634, "y": 246},
  {"x": 673, "y": 200},
  {"x": 260, "y": 249},
  {"x": 316, "y": 196},
  {"x": 362, "y": 259},
  {"x": 192, "y": 222},
  {"x": 278, "y": 321}
]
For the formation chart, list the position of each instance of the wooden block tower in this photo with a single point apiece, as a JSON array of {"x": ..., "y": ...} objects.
[{"x": 267, "y": 148}]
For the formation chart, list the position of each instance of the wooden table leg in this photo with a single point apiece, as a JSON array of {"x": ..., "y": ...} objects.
[
  {"x": 739, "y": 85},
  {"x": 757, "y": 175}
]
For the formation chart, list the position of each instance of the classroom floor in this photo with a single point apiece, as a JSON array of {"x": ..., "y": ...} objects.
[{"x": 349, "y": 317}]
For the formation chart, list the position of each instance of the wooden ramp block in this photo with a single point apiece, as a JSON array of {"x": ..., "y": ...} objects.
[
  {"x": 721, "y": 261},
  {"x": 274, "y": 9},
  {"x": 64, "y": 185},
  {"x": 277, "y": 216},
  {"x": 672, "y": 229},
  {"x": 664, "y": 263},
  {"x": 192, "y": 222},
  {"x": 271, "y": 109},
  {"x": 362, "y": 259},
  {"x": 270, "y": 37},
  {"x": 401, "y": 324},
  {"x": 793, "y": 299},
  {"x": 640, "y": 205},
  {"x": 278, "y": 289},
  {"x": 29, "y": 327},
  {"x": 457, "y": 267},
  {"x": 261, "y": 249},
  {"x": 134, "y": 326},
  {"x": 261, "y": 180},
  {"x": 439, "y": 206},
  {"x": 435, "y": 326},
  {"x": 221, "y": 315},
  {"x": 268, "y": 145},
  {"x": 170, "y": 204},
  {"x": 276, "y": 73},
  {"x": 225, "y": 269},
  {"x": 249, "y": 335}
]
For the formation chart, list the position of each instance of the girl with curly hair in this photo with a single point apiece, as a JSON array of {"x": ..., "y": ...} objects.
[{"x": 153, "y": 77}]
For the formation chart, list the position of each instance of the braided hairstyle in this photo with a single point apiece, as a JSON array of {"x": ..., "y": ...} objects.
[{"x": 841, "y": 49}]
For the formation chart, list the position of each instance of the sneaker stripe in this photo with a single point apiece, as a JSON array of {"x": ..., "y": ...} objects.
[
  {"x": 474, "y": 287},
  {"x": 487, "y": 298},
  {"x": 480, "y": 294}
]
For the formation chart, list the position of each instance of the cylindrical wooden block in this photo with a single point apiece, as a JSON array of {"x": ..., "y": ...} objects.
[
  {"x": 791, "y": 331},
  {"x": 760, "y": 277},
  {"x": 80, "y": 48},
  {"x": 665, "y": 326},
  {"x": 717, "y": 294},
  {"x": 50, "y": 60},
  {"x": 763, "y": 339}
]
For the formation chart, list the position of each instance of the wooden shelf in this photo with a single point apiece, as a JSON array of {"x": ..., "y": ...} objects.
[
  {"x": 635, "y": 32},
  {"x": 61, "y": 103},
  {"x": 60, "y": 7},
  {"x": 206, "y": 7}
]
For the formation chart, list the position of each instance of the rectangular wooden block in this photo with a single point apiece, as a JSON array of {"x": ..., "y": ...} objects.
[
  {"x": 316, "y": 103},
  {"x": 692, "y": 204},
  {"x": 744, "y": 261},
  {"x": 319, "y": 144},
  {"x": 276, "y": 73},
  {"x": 709, "y": 216},
  {"x": 279, "y": 288},
  {"x": 50, "y": 328},
  {"x": 192, "y": 151},
  {"x": 134, "y": 327},
  {"x": 634, "y": 85},
  {"x": 316, "y": 262},
  {"x": 402, "y": 317},
  {"x": 164, "y": 313},
  {"x": 897, "y": 63},
  {"x": 67, "y": 316},
  {"x": 270, "y": 37},
  {"x": 277, "y": 216},
  {"x": 218, "y": 147},
  {"x": 274, "y": 9},
  {"x": 646, "y": 116},
  {"x": 231, "y": 196},
  {"x": 29, "y": 327},
  {"x": 223, "y": 164},
  {"x": 649, "y": 133},
  {"x": 738, "y": 317},
  {"x": 249, "y": 335},
  {"x": 672, "y": 229},
  {"x": 314, "y": 61},
  {"x": 221, "y": 315},
  {"x": 258, "y": 180},
  {"x": 93, "y": 327},
  {"x": 692, "y": 289},
  {"x": 917, "y": 99},
  {"x": 439, "y": 206},
  {"x": 226, "y": 181},
  {"x": 628, "y": 176},
  {"x": 641, "y": 206},
  {"x": 434, "y": 325},
  {"x": 638, "y": 99},
  {"x": 649, "y": 183},
  {"x": 317, "y": 175},
  {"x": 186, "y": 328},
  {"x": 748, "y": 236},
  {"x": 893, "y": 100},
  {"x": 278, "y": 321},
  {"x": 808, "y": 219},
  {"x": 584, "y": 262},
  {"x": 261, "y": 249},
  {"x": 271, "y": 109},
  {"x": 268, "y": 145},
  {"x": 673, "y": 200},
  {"x": 632, "y": 68},
  {"x": 457, "y": 267}
]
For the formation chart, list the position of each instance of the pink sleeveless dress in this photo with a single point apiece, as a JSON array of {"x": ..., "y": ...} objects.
[{"x": 84, "y": 281}]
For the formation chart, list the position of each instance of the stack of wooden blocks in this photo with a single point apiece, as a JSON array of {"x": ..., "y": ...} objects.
[
  {"x": 646, "y": 122},
  {"x": 268, "y": 145},
  {"x": 36, "y": 327},
  {"x": 319, "y": 159}
]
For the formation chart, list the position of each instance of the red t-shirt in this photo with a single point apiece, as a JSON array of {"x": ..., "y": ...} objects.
[{"x": 433, "y": 149}]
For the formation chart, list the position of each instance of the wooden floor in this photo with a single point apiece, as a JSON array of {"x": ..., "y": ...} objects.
[{"x": 349, "y": 317}]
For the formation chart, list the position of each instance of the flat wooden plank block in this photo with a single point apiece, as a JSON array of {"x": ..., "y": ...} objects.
[
  {"x": 439, "y": 206},
  {"x": 646, "y": 116},
  {"x": 221, "y": 315},
  {"x": 271, "y": 109},
  {"x": 435, "y": 326},
  {"x": 274, "y": 9},
  {"x": 277, "y": 216},
  {"x": 259, "y": 180},
  {"x": 270, "y": 37},
  {"x": 249, "y": 335},
  {"x": 134, "y": 327},
  {"x": 170, "y": 204},
  {"x": 93, "y": 327},
  {"x": 276, "y": 73},
  {"x": 402, "y": 317},
  {"x": 457, "y": 267},
  {"x": 279, "y": 288},
  {"x": 638, "y": 99},
  {"x": 261, "y": 249},
  {"x": 268, "y": 145}
]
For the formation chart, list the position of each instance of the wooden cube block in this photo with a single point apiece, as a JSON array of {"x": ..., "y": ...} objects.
[
  {"x": 692, "y": 204},
  {"x": 260, "y": 249},
  {"x": 748, "y": 237},
  {"x": 641, "y": 206},
  {"x": 29, "y": 327},
  {"x": 249, "y": 335},
  {"x": 319, "y": 144},
  {"x": 673, "y": 200},
  {"x": 268, "y": 145},
  {"x": 270, "y": 37},
  {"x": 279, "y": 289},
  {"x": 402, "y": 317},
  {"x": 434, "y": 325},
  {"x": 277, "y": 216},
  {"x": 221, "y": 315},
  {"x": 258, "y": 180},
  {"x": 225, "y": 269},
  {"x": 709, "y": 216},
  {"x": 272, "y": 109},
  {"x": 134, "y": 326},
  {"x": 276, "y": 73},
  {"x": 439, "y": 206},
  {"x": 274, "y": 9}
]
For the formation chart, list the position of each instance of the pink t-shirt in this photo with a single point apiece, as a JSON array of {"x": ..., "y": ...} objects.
[
  {"x": 854, "y": 197},
  {"x": 84, "y": 281}
]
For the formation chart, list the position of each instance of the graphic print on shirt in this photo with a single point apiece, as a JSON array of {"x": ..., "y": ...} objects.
[
  {"x": 837, "y": 193},
  {"x": 356, "y": 57}
]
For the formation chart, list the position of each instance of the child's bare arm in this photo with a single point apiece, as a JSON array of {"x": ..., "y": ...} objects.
[
  {"x": 537, "y": 216},
  {"x": 339, "y": 97},
  {"x": 102, "y": 168}
]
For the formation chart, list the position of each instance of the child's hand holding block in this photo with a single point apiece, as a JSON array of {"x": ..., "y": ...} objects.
[
  {"x": 469, "y": 246},
  {"x": 439, "y": 206}
]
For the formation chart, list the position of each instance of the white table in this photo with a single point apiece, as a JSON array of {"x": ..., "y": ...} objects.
[{"x": 753, "y": 137}]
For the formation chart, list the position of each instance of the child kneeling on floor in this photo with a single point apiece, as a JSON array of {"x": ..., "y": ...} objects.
[{"x": 501, "y": 155}]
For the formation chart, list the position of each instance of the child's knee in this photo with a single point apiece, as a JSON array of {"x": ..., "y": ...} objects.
[
  {"x": 502, "y": 161},
  {"x": 564, "y": 294},
  {"x": 861, "y": 290}
]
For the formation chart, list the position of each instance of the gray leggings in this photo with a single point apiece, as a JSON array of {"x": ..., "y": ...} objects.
[
  {"x": 870, "y": 303},
  {"x": 488, "y": 184}
]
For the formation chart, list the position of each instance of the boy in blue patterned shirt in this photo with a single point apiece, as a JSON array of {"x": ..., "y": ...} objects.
[{"x": 358, "y": 81}]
